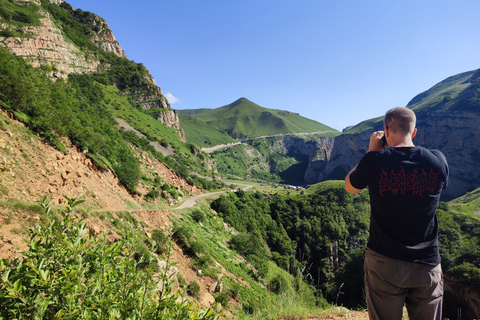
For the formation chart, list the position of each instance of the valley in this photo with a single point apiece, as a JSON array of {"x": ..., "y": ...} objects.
[{"x": 93, "y": 156}]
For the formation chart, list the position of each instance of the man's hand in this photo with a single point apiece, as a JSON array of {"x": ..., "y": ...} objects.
[{"x": 375, "y": 141}]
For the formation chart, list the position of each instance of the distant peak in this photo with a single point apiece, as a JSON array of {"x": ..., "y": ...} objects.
[{"x": 240, "y": 101}]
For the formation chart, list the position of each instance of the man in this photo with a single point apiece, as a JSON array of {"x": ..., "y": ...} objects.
[{"x": 402, "y": 261}]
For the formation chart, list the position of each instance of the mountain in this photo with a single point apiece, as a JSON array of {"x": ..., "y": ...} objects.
[
  {"x": 245, "y": 119},
  {"x": 77, "y": 117},
  {"x": 448, "y": 118},
  {"x": 246, "y": 139}
]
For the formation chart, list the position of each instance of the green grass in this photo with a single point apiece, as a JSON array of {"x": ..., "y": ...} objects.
[
  {"x": 120, "y": 106},
  {"x": 325, "y": 185},
  {"x": 449, "y": 93},
  {"x": 468, "y": 204},
  {"x": 372, "y": 124},
  {"x": 19, "y": 15},
  {"x": 201, "y": 133}
]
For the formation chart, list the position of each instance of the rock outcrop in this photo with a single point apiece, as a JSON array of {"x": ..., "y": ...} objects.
[
  {"x": 103, "y": 36},
  {"x": 314, "y": 153},
  {"x": 46, "y": 44},
  {"x": 150, "y": 97}
]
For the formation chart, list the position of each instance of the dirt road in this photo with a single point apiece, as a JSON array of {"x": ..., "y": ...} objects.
[{"x": 191, "y": 201}]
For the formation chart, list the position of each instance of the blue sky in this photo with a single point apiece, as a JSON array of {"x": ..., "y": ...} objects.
[{"x": 336, "y": 62}]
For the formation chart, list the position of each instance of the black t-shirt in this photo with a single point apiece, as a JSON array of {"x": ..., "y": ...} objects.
[{"x": 405, "y": 184}]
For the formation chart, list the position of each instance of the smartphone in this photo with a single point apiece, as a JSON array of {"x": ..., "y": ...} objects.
[{"x": 384, "y": 141}]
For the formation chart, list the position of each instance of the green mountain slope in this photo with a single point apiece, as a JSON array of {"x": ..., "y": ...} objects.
[
  {"x": 84, "y": 106},
  {"x": 456, "y": 93},
  {"x": 245, "y": 119},
  {"x": 201, "y": 133}
]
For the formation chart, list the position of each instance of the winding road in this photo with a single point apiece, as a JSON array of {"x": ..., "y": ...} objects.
[{"x": 190, "y": 202}]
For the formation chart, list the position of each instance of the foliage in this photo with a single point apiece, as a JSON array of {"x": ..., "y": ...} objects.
[
  {"x": 19, "y": 14},
  {"x": 161, "y": 241},
  {"x": 459, "y": 238},
  {"x": 76, "y": 31},
  {"x": 302, "y": 234},
  {"x": 85, "y": 107},
  {"x": 321, "y": 236},
  {"x": 123, "y": 73},
  {"x": 193, "y": 289},
  {"x": 80, "y": 109},
  {"x": 198, "y": 215},
  {"x": 74, "y": 109},
  {"x": 182, "y": 162},
  {"x": 68, "y": 273}
]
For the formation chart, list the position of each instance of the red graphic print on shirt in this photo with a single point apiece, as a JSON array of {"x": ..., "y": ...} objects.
[{"x": 417, "y": 182}]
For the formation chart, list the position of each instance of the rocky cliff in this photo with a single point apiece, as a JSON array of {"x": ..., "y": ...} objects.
[
  {"x": 313, "y": 153},
  {"x": 150, "y": 97},
  {"x": 45, "y": 44}
]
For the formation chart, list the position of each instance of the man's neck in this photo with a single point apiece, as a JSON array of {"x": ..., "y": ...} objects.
[
  {"x": 402, "y": 144},
  {"x": 397, "y": 142}
]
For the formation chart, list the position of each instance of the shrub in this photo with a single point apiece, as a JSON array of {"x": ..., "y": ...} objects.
[
  {"x": 161, "y": 240},
  {"x": 278, "y": 284},
  {"x": 198, "y": 215},
  {"x": 223, "y": 297},
  {"x": 69, "y": 274},
  {"x": 193, "y": 289},
  {"x": 152, "y": 194}
]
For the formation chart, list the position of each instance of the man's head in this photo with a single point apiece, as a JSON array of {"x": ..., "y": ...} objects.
[{"x": 400, "y": 121}]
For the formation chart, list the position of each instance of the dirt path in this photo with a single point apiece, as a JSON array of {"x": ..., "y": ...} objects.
[{"x": 190, "y": 202}]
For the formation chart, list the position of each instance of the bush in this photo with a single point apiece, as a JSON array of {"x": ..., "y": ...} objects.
[
  {"x": 223, "y": 297},
  {"x": 69, "y": 274},
  {"x": 198, "y": 215},
  {"x": 152, "y": 194},
  {"x": 278, "y": 284},
  {"x": 161, "y": 240},
  {"x": 193, "y": 289}
]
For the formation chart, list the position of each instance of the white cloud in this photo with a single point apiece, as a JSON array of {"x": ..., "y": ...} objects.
[{"x": 171, "y": 98}]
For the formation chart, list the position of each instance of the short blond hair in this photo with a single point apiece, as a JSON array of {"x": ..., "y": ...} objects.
[{"x": 400, "y": 121}]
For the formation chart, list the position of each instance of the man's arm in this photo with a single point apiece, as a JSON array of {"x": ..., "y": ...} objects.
[
  {"x": 348, "y": 184},
  {"x": 374, "y": 145}
]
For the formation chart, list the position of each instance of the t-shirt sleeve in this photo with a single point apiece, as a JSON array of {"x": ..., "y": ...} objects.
[
  {"x": 444, "y": 165},
  {"x": 359, "y": 177}
]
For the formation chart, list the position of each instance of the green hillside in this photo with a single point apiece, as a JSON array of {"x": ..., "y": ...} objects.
[
  {"x": 245, "y": 119},
  {"x": 201, "y": 133},
  {"x": 456, "y": 93}
]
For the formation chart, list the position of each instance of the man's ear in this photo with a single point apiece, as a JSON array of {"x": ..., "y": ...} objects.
[{"x": 414, "y": 133}]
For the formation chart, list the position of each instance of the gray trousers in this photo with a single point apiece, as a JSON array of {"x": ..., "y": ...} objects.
[{"x": 390, "y": 284}]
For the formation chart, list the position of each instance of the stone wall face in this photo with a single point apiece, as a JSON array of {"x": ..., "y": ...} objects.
[{"x": 49, "y": 47}]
